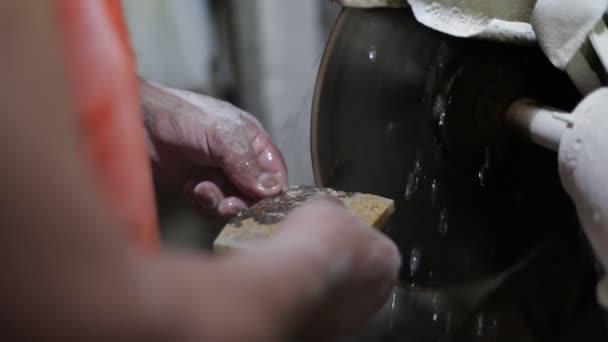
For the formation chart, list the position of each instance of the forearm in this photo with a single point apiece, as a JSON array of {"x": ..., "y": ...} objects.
[{"x": 68, "y": 272}]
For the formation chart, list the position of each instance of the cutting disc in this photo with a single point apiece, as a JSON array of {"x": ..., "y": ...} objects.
[{"x": 411, "y": 114}]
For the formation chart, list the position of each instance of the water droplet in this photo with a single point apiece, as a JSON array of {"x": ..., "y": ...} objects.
[
  {"x": 413, "y": 179},
  {"x": 485, "y": 168},
  {"x": 372, "y": 53},
  {"x": 436, "y": 307},
  {"x": 442, "y": 117},
  {"x": 411, "y": 185},
  {"x": 434, "y": 191},
  {"x": 480, "y": 325},
  {"x": 415, "y": 260},
  {"x": 443, "y": 222},
  {"x": 393, "y": 309}
]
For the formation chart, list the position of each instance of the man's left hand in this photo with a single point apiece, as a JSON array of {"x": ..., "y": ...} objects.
[{"x": 221, "y": 156}]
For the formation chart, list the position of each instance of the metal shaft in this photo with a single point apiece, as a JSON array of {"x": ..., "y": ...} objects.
[{"x": 542, "y": 125}]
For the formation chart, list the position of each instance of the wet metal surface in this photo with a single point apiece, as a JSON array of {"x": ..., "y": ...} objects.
[{"x": 410, "y": 114}]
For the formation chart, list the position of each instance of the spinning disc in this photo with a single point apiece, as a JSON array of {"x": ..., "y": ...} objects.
[{"x": 414, "y": 115}]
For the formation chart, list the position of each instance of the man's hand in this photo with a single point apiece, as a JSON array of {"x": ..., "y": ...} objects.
[
  {"x": 221, "y": 156},
  {"x": 320, "y": 279}
]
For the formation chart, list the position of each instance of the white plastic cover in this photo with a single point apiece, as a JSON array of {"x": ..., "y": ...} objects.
[{"x": 583, "y": 166}]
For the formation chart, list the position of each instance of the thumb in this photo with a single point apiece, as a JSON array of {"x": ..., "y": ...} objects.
[{"x": 248, "y": 158}]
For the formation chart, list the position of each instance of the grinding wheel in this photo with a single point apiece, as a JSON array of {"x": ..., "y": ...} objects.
[{"x": 411, "y": 114}]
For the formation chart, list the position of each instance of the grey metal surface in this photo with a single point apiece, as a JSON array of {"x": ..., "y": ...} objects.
[
  {"x": 399, "y": 112},
  {"x": 482, "y": 221}
]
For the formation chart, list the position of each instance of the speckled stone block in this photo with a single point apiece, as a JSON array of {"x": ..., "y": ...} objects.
[{"x": 262, "y": 220}]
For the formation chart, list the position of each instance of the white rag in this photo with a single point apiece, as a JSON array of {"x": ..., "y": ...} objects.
[{"x": 561, "y": 27}]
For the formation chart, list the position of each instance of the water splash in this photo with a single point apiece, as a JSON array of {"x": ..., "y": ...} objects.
[
  {"x": 415, "y": 260},
  {"x": 413, "y": 179},
  {"x": 372, "y": 53},
  {"x": 436, "y": 307},
  {"x": 393, "y": 310},
  {"x": 443, "y": 221},
  {"x": 411, "y": 186},
  {"x": 480, "y": 324},
  {"x": 485, "y": 168},
  {"x": 442, "y": 118},
  {"x": 440, "y": 316},
  {"x": 434, "y": 192}
]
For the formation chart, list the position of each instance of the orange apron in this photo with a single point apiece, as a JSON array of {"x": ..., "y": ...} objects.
[{"x": 104, "y": 86}]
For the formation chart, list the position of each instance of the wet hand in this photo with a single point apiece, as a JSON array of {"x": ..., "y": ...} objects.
[{"x": 220, "y": 155}]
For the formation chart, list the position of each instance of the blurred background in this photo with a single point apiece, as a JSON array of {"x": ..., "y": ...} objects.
[{"x": 261, "y": 55}]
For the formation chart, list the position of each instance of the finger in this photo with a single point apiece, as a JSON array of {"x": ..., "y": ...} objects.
[
  {"x": 205, "y": 197},
  {"x": 323, "y": 263},
  {"x": 248, "y": 158},
  {"x": 218, "y": 177},
  {"x": 209, "y": 200},
  {"x": 231, "y": 206}
]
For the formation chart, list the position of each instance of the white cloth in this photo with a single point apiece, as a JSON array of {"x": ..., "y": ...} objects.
[
  {"x": 496, "y": 20},
  {"x": 560, "y": 26},
  {"x": 583, "y": 161}
]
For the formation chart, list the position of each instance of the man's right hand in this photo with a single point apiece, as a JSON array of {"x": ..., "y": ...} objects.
[{"x": 322, "y": 277}]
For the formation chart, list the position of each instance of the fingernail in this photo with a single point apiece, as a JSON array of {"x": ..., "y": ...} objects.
[
  {"x": 268, "y": 181},
  {"x": 231, "y": 207},
  {"x": 205, "y": 197},
  {"x": 209, "y": 200}
]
